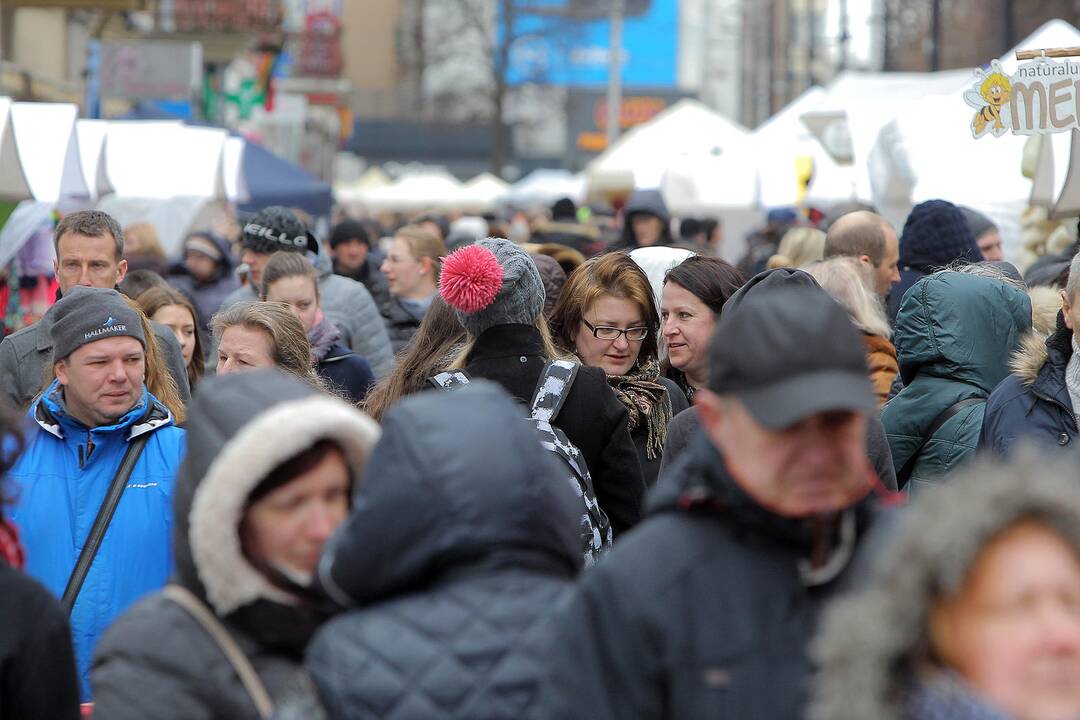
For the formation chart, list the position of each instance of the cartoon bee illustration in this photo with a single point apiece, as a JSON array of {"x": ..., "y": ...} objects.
[{"x": 994, "y": 93}]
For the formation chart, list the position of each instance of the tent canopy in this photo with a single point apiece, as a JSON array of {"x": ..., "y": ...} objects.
[
  {"x": 272, "y": 180},
  {"x": 686, "y": 129}
]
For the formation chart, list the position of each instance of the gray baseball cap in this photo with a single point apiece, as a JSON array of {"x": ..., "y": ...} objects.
[{"x": 788, "y": 353}]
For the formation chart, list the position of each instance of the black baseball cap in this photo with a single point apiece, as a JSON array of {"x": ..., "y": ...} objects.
[
  {"x": 788, "y": 353},
  {"x": 277, "y": 228}
]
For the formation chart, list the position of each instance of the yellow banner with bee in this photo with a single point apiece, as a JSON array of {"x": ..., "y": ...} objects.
[{"x": 1042, "y": 96}]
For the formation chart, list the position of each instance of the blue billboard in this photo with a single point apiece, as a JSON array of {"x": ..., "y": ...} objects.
[{"x": 552, "y": 45}]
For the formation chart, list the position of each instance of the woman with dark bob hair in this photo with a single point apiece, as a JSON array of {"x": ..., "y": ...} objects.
[
  {"x": 606, "y": 315},
  {"x": 694, "y": 292}
]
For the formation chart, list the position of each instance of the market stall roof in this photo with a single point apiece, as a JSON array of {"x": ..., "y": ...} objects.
[
  {"x": 165, "y": 159},
  {"x": 272, "y": 180},
  {"x": 482, "y": 193},
  {"x": 13, "y": 183},
  {"x": 542, "y": 187},
  {"x": 416, "y": 191},
  {"x": 686, "y": 129},
  {"x": 91, "y": 137},
  {"x": 48, "y": 150}
]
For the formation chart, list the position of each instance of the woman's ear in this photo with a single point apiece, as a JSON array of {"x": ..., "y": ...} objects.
[{"x": 426, "y": 265}]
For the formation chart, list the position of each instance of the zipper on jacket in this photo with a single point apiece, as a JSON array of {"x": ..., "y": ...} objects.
[
  {"x": 1055, "y": 401},
  {"x": 85, "y": 457}
]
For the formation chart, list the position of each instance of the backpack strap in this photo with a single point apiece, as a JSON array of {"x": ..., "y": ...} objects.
[
  {"x": 449, "y": 380},
  {"x": 552, "y": 389},
  {"x": 249, "y": 678},
  {"x": 102, "y": 521},
  {"x": 947, "y": 414}
]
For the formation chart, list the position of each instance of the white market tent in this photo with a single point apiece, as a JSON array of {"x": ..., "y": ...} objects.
[
  {"x": 482, "y": 193},
  {"x": 686, "y": 129},
  {"x": 415, "y": 191},
  {"x": 541, "y": 188},
  {"x": 163, "y": 159},
  {"x": 13, "y": 184},
  {"x": 353, "y": 193},
  {"x": 48, "y": 150},
  {"x": 90, "y": 135},
  {"x": 927, "y": 151}
]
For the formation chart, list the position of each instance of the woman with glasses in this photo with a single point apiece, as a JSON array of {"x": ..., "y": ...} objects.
[
  {"x": 498, "y": 296},
  {"x": 606, "y": 315}
]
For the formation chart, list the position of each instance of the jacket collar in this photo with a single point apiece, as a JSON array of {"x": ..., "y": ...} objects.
[
  {"x": 504, "y": 341},
  {"x": 50, "y": 413},
  {"x": 1040, "y": 365},
  {"x": 702, "y": 484}
]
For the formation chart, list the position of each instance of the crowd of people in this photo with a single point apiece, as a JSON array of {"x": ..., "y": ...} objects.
[{"x": 580, "y": 470}]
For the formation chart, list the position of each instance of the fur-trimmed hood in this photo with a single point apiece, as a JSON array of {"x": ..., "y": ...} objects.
[
  {"x": 241, "y": 427},
  {"x": 1035, "y": 350},
  {"x": 872, "y": 641}
]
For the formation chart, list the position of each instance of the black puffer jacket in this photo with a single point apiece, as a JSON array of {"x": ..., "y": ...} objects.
[
  {"x": 463, "y": 539},
  {"x": 701, "y": 612},
  {"x": 157, "y": 661},
  {"x": 593, "y": 418}
]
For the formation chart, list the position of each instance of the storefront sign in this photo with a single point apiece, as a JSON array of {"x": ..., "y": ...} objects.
[{"x": 1041, "y": 97}]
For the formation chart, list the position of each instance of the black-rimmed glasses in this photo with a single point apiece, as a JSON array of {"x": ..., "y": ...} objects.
[{"x": 603, "y": 332}]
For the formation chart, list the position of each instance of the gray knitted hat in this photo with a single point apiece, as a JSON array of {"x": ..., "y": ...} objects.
[
  {"x": 492, "y": 282},
  {"x": 85, "y": 315}
]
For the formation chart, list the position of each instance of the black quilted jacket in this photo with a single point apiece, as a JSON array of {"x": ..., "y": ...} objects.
[{"x": 462, "y": 541}]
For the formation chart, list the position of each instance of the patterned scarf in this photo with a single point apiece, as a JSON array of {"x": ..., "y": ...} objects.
[
  {"x": 322, "y": 337},
  {"x": 943, "y": 695},
  {"x": 645, "y": 399}
]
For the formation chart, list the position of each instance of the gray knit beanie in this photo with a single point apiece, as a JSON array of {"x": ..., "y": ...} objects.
[
  {"x": 492, "y": 282},
  {"x": 85, "y": 315}
]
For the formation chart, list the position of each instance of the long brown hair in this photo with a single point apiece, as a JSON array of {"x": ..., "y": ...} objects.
[
  {"x": 614, "y": 274},
  {"x": 158, "y": 381},
  {"x": 158, "y": 297},
  {"x": 431, "y": 350}
]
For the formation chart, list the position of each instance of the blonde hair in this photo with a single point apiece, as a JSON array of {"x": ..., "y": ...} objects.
[
  {"x": 848, "y": 280},
  {"x": 799, "y": 247},
  {"x": 148, "y": 241},
  {"x": 424, "y": 244}
]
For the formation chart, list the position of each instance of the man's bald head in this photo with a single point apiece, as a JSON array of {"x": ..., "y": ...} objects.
[
  {"x": 867, "y": 236},
  {"x": 855, "y": 234}
]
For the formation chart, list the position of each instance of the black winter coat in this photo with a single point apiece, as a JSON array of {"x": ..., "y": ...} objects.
[
  {"x": 157, "y": 661},
  {"x": 592, "y": 418},
  {"x": 701, "y": 612},
  {"x": 401, "y": 323},
  {"x": 371, "y": 277},
  {"x": 37, "y": 664},
  {"x": 348, "y": 373},
  {"x": 650, "y": 467},
  {"x": 1033, "y": 402},
  {"x": 454, "y": 591}
]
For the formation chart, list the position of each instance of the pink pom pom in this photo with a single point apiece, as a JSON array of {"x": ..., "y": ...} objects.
[{"x": 470, "y": 279}]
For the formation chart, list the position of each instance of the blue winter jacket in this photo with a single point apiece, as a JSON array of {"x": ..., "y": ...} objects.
[{"x": 59, "y": 483}]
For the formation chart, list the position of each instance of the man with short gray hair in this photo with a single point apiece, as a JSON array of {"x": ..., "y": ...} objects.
[
  {"x": 89, "y": 252},
  {"x": 1040, "y": 399},
  {"x": 868, "y": 237}
]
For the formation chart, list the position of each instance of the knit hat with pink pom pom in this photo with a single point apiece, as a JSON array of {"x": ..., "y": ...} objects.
[{"x": 492, "y": 282}]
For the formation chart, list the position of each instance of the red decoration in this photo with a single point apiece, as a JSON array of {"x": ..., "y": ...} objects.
[{"x": 471, "y": 278}]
